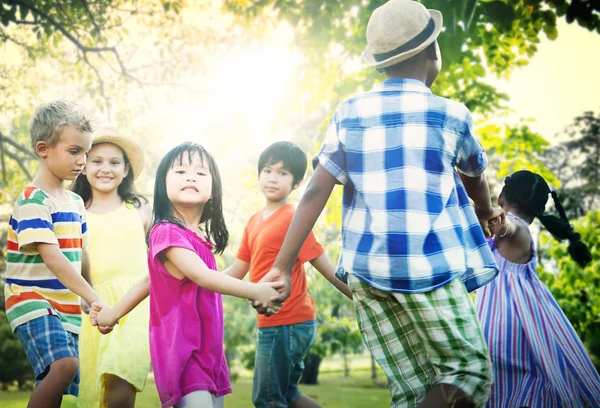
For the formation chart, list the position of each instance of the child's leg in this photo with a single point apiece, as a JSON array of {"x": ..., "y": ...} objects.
[
  {"x": 303, "y": 336},
  {"x": 200, "y": 399},
  {"x": 49, "y": 391},
  {"x": 279, "y": 364},
  {"x": 53, "y": 354},
  {"x": 422, "y": 341},
  {"x": 305, "y": 402},
  {"x": 119, "y": 393}
]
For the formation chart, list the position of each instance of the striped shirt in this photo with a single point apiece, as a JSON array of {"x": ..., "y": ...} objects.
[{"x": 31, "y": 290}]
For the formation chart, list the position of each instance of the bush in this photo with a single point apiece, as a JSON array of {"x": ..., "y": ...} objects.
[{"x": 13, "y": 360}]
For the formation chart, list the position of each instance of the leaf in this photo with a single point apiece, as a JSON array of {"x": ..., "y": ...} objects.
[
  {"x": 479, "y": 70},
  {"x": 500, "y": 14},
  {"x": 551, "y": 32}
]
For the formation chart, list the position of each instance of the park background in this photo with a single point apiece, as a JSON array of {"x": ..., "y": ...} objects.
[{"x": 237, "y": 75}]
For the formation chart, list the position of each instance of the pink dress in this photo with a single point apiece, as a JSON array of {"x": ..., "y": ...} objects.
[{"x": 186, "y": 323}]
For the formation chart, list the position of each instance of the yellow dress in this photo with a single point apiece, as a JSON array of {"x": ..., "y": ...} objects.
[{"x": 118, "y": 257}]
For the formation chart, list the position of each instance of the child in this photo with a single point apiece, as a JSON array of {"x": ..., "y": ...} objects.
[
  {"x": 537, "y": 356},
  {"x": 46, "y": 254},
  {"x": 186, "y": 313},
  {"x": 278, "y": 368},
  {"x": 412, "y": 243},
  {"x": 115, "y": 367}
]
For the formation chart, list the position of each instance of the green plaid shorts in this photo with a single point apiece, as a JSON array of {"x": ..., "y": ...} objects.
[{"x": 424, "y": 339}]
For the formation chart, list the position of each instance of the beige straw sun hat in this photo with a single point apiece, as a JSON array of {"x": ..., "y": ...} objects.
[
  {"x": 399, "y": 30},
  {"x": 135, "y": 154}
]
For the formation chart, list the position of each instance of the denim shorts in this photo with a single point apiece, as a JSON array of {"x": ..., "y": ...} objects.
[
  {"x": 45, "y": 340},
  {"x": 279, "y": 363}
]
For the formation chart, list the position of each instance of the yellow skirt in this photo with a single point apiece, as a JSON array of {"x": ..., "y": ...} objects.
[{"x": 125, "y": 352}]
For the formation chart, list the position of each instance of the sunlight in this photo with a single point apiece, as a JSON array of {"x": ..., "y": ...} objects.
[{"x": 241, "y": 100}]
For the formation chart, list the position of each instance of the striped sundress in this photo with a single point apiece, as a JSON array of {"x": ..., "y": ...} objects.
[{"x": 537, "y": 357}]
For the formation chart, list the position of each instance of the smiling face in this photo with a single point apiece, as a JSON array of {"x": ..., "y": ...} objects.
[
  {"x": 189, "y": 183},
  {"x": 67, "y": 158},
  {"x": 275, "y": 182},
  {"x": 106, "y": 168}
]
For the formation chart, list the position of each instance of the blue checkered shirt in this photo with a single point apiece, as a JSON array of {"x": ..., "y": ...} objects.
[{"x": 408, "y": 225}]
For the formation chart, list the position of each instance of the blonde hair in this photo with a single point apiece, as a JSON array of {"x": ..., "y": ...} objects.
[{"x": 50, "y": 119}]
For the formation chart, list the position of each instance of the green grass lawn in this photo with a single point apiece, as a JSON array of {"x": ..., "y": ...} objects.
[{"x": 334, "y": 390}]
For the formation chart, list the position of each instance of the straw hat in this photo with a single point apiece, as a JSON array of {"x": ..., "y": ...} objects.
[
  {"x": 399, "y": 30},
  {"x": 135, "y": 154}
]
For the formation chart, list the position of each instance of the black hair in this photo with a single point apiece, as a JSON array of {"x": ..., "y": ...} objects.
[
  {"x": 293, "y": 158},
  {"x": 212, "y": 214},
  {"x": 528, "y": 192},
  {"x": 126, "y": 190},
  {"x": 392, "y": 69}
]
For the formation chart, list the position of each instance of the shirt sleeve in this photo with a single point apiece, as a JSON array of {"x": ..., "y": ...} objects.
[
  {"x": 311, "y": 249},
  {"x": 332, "y": 155},
  {"x": 85, "y": 237},
  {"x": 471, "y": 159},
  {"x": 167, "y": 235},
  {"x": 244, "y": 253},
  {"x": 33, "y": 226}
]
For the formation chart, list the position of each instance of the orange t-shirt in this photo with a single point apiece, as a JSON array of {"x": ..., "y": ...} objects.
[{"x": 260, "y": 245}]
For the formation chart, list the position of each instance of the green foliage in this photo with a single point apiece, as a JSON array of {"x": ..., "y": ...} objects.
[
  {"x": 576, "y": 290},
  {"x": 513, "y": 148},
  {"x": 13, "y": 360},
  {"x": 481, "y": 37}
]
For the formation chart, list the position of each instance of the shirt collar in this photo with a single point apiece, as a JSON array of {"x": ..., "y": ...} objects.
[{"x": 404, "y": 85}]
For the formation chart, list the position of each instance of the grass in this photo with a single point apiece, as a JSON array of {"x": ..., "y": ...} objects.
[{"x": 334, "y": 390}]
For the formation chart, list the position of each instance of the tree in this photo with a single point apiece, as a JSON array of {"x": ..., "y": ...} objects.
[
  {"x": 576, "y": 163},
  {"x": 499, "y": 35},
  {"x": 576, "y": 289}
]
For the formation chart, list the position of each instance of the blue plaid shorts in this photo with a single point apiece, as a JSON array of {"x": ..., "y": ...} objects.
[{"x": 45, "y": 340}]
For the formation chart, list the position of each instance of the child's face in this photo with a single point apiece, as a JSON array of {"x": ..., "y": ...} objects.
[
  {"x": 189, "y": 184},
  {"x": 67, "y": 158},
  {"x": 105, "y": 168},
  {"x": 275, "y": 182}
]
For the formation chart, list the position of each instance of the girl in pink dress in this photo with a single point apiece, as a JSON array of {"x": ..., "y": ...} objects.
[{"x": 186, "y": 312}]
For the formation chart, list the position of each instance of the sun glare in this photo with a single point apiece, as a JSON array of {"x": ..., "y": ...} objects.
[{"x": 241, "y": 98}]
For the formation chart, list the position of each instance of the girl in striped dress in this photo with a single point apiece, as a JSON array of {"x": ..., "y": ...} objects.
[{"x": 538, "y": 359}]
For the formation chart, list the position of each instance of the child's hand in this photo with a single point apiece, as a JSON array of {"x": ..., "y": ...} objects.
[
  {"x": 97, "y": 309},
  {"x": 85, "y": 306},
  {"x": 484, "y": 219},
  {"x": 106, "y": 317},
  {"x": 266, "y": 293},
  {"x": 496, "y": 224}
]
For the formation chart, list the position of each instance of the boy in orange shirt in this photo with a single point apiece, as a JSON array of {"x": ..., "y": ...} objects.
[{"x": 285, "y": 338}]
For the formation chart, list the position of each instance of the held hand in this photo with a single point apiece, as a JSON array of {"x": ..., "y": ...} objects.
[
  {"x": 267, "y": 292},
  {"x": 495, "y": 224},
  {"x": 275, "y": 275},
  {"x": 485, "y": 217},
  {"x": 98, "y": 317},
  {"x": 85, "y": 306}
]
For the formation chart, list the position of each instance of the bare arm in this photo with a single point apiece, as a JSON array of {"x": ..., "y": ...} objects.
[
  {"x": 310, "y": 207},
  {"x": 326, "y": 268},
  {"x": 238, "y": 269},
  {"x": 193, "y": 267},
  {"x": 65, "y": 272},
  {"x": 85, "y": 266},
  {"x": 479, "y": 191},
  {"x": 134, "y": 296}
]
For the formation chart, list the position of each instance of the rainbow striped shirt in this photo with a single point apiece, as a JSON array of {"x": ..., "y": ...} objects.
[{"x": 31, "y": 290}]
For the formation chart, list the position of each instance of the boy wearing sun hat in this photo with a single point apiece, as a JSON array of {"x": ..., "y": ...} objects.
[{"x": 412, "y": 243}]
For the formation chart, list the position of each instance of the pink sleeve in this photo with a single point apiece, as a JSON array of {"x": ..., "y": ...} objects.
[{"x": 166, "y": 235}]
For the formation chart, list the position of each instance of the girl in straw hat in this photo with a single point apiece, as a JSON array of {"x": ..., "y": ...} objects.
[{"x": 114, "y": 367}]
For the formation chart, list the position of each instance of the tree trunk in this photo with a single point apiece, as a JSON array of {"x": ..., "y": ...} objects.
[
  {"x": 373, "y": 368},
  {"x": 312, "y": 362}
]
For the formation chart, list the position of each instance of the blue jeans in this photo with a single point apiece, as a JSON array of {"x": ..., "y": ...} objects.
[{"x": 279, "y": 363}]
